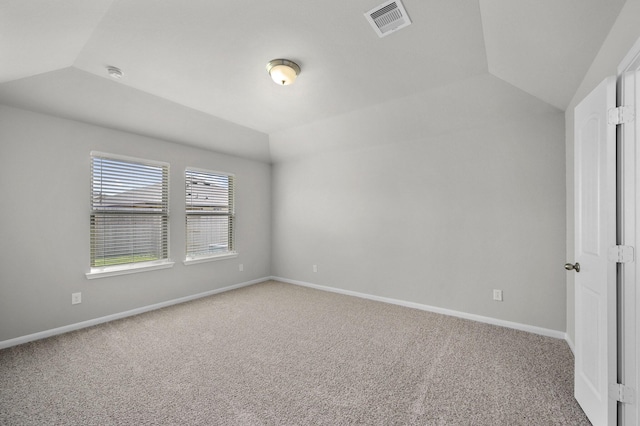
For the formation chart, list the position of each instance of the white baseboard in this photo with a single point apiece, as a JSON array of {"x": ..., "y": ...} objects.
[
  {"x": 120, "y": 315},
  {"x": 572, "y": 345},
  {"x": 96, "y": 321},
  {"x": 488, "y": 320}
]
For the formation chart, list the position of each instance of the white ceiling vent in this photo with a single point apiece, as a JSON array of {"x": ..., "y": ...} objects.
[{"x": 388, "y": 17}]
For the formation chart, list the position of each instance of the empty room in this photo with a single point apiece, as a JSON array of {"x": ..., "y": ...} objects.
[{"x": 415, "y": 212}]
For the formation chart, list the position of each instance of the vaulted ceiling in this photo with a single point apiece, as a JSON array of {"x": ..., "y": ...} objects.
[{"x": 189, "y": 65}]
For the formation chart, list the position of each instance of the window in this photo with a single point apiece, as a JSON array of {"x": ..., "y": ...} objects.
[
  {"x": 129, "y": 213},
  {"x": 210, "y": 214}
]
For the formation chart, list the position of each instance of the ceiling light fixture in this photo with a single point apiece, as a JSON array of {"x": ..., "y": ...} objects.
[
  {"x": 283, "y": 71},
  {"x": 115, "y": 72}
]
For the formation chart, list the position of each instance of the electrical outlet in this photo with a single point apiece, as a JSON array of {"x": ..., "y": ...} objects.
[
  {"x": 76, "y": 298},
  {"x": 315, "y": 268},
  {"x": 241, "y": 267},
  {"x": 497, "y": 295}
]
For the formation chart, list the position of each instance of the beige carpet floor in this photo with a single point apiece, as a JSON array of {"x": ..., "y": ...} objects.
[{"x": 278, "y": 354}]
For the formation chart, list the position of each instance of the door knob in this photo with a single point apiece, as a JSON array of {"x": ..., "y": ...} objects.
[{"x": 570, "y": 267}]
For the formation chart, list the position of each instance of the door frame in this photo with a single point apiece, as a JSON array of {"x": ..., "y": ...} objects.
[{"x": 628, "y": 93}]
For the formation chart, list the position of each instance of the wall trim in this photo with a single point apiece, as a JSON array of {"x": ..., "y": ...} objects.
[
  {"x": 84, "y": 324},
  {"x": 89, "y": 323},
  {"x": 572, "y": 345},
  {"x": 479, "y": 318},
  {"x": 631, "y": 61}
]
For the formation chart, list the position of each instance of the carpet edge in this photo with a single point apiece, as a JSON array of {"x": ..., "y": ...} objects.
[
  {"x": 100, "y": 320},
  {"x": 473, "y": 317}
]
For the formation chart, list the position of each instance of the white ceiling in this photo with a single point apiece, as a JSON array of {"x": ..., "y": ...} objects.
[{"x": 190, "y": 64}]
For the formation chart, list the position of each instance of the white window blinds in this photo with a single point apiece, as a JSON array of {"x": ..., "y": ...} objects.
[
  {"x": 129, "y": 210},
  {"x": 210, "y": 213}
]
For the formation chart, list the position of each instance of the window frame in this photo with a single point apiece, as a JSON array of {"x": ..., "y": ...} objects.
[
  {"x": 232, "y": 253},
  {"x": 130, "y": 267}
]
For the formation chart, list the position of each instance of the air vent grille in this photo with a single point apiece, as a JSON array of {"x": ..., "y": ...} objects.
[{"x": 388, "y": 17}]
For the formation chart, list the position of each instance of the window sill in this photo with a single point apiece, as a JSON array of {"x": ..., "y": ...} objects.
[
  {"x": 110, "y": 271},
  {"x": 212, "y": 258}
]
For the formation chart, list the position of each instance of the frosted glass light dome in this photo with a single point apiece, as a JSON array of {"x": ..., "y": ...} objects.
[{"x": 283, "y": 71}]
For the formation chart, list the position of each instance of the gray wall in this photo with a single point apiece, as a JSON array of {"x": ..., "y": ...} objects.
[
  {"x": 621, "y": 38},
  {"x": 44, "y": 234},
  {"x": 439, "y": 213}
]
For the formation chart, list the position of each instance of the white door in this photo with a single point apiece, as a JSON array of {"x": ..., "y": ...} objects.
[{"x": 595, "y": 234}]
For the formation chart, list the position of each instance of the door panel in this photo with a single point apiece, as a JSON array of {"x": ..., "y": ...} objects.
[{"x": 595, "y": 233}]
